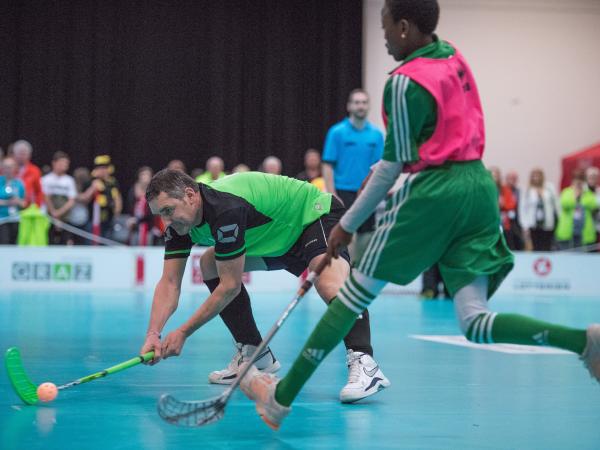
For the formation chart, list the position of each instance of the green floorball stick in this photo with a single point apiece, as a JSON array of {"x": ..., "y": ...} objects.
[{"x": 27, "y": 390}]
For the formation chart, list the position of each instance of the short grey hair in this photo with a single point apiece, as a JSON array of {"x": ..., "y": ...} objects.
[
  {"x": 171, "y": 182},
  {"x": 23, "y": 143}
]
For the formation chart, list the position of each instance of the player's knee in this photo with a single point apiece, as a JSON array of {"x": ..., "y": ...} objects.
[{"x": 327, "y": 289}]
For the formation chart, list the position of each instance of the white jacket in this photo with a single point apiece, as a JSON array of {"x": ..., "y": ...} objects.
[{"x": 528, "y": 205}]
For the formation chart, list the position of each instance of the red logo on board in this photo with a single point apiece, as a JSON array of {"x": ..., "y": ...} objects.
[{"x": 542, "y": 266}]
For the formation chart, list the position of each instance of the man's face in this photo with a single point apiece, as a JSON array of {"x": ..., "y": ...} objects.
[
  {"x": 101, "y": 172},
  {"x": 180, "y": 214},
  {"x": 592, "y": 179},
  {"x": 214, "y": 167},
  {"x": 512, "y": 179},
  {"x": 358, "y": 105},
  {"x": 60, "y": 166},
  {"x": 312, "y": 160},
  {"x": 392, "y": 32},
  {"x": 8, "y": 168}
]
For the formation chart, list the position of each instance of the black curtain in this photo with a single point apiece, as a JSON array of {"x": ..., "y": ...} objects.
[{"x": 151, "y": 81}]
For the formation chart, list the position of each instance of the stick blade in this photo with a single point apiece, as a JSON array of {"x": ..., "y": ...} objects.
[
  {"x": 194, "y": 413},
  {"x": 22, "y": 385}
]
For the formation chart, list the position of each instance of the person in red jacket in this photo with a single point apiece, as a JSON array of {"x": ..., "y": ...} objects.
[{"x": 29, "y": 173}]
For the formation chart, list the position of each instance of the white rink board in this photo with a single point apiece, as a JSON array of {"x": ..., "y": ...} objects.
[{"x": 85, "y": 268}]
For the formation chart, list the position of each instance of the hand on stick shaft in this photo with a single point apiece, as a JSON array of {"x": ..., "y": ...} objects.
[
  {"x": 152, "y": 343},
  {"x": 338, "y": 238}
]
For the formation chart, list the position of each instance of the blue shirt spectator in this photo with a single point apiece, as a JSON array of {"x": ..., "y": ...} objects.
[
  {"x": 351, "y": 152},
  {"x": 9, "y": 189}
]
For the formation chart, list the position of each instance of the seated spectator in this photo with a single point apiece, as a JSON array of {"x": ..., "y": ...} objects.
[
  {"x": 538, "y": 210},
  {"x": 240, "y": 168},
  {"x": 196, "y": 172},
  {"x": 29, "y": 173},
  {"x": 177, "y": 164},
  {"x": 312, "y": 169},
  {"x": 141, "y": 222},
  {"x": 59, "y": 194},
  {"x": 12, "y": 199},
  {"x": 272, "y": 165},
  {"x": 104, "y": 197},
  {"x": 507, "y": 204},
  {"x": 214, "y": 170},
  {"x": 575, "y": 223}
]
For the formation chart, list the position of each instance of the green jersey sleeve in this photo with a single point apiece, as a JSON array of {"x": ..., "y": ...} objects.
[{"x": 412, "y": 114}]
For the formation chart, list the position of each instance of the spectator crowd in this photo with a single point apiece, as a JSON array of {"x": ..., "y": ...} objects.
[{"x": 40, "y": 206}]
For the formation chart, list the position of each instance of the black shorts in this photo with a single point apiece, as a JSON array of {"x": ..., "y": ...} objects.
[{"x": 312, "y": 242}]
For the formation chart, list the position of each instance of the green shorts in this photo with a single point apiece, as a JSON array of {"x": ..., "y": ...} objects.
[{"x": 448, "y": 215}]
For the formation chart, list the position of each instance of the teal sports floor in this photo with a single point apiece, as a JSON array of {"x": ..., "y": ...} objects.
[{"x": 442, "y": 396}]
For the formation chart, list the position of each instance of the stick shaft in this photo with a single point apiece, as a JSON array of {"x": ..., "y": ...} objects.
[{"x": 114, "y": 369}]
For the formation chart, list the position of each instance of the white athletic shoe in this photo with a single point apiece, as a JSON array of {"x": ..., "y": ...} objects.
[
  {"x": 364, "y": 377},
  {"x": 591, "y": 354},
  {"x": 265, "y": 362},
  {"x": 260, "y": 387}
]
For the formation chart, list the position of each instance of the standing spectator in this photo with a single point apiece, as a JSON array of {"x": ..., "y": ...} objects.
[
  {"x": 177, "y": 164},
  {"x": 538, "y": 210},
  {"x": 240, "y": 168},
  {"x": 141, "y": 223},
  {"x": 592, "y": 176},
  {"x": 352, "y": 146},
  {"x": 104, "y": 197},
  {"x": 214, "y": 170},
  {"x": 507, "y": 204},
  {"x": 29, "y": 173},
  {"x": 575, "y": 223},
  {"x": 60, "y": 194},
  {"x": 312, "y": 169},
  {"x": 272, "y": 165},
  {"x": 12, "y": 198},
  {"x": 515, "y": 232},
  {"x": 80, "y": 216}
]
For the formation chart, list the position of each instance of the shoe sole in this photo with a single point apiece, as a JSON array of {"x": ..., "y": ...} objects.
[
  {"x": 274, "y": 368},
  {"x": 380, "y": 387}
]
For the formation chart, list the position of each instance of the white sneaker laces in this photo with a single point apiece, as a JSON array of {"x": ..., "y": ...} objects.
[{"x": 354, "y": 368}]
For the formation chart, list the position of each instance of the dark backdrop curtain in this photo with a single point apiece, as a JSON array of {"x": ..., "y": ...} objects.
[{"x": 151, "y": 81}]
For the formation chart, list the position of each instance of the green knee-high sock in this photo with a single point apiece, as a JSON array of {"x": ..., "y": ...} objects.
[
  {"x": 517, "y": 329},
  {"x": 331, "y": 329}
]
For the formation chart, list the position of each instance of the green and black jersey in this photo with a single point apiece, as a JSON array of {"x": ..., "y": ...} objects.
[{"x": 254, "y": 213}]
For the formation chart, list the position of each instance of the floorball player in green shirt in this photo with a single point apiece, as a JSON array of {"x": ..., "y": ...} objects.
[{"x": 250, "y": 221}]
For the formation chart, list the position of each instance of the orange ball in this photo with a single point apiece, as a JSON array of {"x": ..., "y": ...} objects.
[{"x": 47, "y": 392}]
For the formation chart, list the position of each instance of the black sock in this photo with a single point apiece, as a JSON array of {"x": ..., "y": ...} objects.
[
  {"x": 238, "y": 317},
  {"x": 359, "y": 336}
]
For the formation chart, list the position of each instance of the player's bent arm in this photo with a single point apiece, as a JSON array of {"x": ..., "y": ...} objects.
[
  {"x": 383, "y": 177},
  {"x": 230, "y": 284},
  {"x": 166, "y": 294}
]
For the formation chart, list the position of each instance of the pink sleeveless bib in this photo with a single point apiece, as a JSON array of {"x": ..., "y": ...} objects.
[{"x": 459, "y": 134}]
